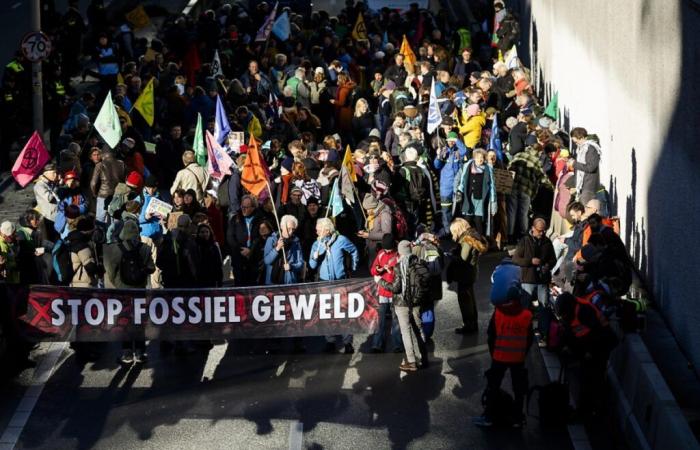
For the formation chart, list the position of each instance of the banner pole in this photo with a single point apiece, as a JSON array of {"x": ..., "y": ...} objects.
[{"x": 274, "y": 211}]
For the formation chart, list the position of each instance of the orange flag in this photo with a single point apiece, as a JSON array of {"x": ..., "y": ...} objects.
[
  {"x": 407, "y": 51},
  {"x": 254, "y": 173},
  {"x": 349, "y": 165}
]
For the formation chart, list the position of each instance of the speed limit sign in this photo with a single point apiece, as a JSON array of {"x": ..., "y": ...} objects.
[{"x": 36, "y": 46}]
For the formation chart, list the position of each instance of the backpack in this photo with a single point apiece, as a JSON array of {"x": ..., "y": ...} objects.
[
  {"x": 399, "y": 224},
  {"x": 418, "y": 280},
  {"x": 131, "y": 269},
  {"x": 62, "y": 273},
  {"x": 553, "y": 402},
  {"x": 432, "y": 257},
  {"x": 416, "y": 188}
]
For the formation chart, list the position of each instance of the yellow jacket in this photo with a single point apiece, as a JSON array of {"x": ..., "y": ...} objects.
[{"x": 470, "y": 128}]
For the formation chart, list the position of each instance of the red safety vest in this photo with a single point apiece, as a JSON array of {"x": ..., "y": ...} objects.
[
  {"x": 580, "y": 330},
  {"x": 511, "y": 336}
]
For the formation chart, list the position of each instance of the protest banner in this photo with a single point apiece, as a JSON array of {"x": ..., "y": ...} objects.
[
  {"x": 503, "y": 180},
  {"x": 159, "y": 208},
  {"x": 312, "y": 309}
]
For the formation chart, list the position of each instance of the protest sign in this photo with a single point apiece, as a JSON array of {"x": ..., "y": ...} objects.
[
  {"x": 57, "y": 313},
  {"x": 157, "y": 207},
  {"x": 503, "y": 180}
]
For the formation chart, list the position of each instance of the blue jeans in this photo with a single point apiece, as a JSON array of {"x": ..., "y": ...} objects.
[
  {"x": 378, "y": 338},
  {"x": 543, "y": 298},
  {"x": 446, "y": 217},
  {"x": 518, "y": 209}
]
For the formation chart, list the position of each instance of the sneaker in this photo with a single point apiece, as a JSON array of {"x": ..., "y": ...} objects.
[
  {"x": 349, "y": 349},
  {"x": 127, "y": 357},
  {"x": 482, "y": 421},
  {"x": 408, "y": 367},
  {"x": 140, "y": 357}
]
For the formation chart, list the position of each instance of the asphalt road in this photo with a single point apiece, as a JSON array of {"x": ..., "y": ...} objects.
[{"x": 230, "y": 398}]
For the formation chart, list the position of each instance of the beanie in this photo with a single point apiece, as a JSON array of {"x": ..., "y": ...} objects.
[
  {"x": 388, "y": 242},
  {"x": 130, "y": 231},
  {"x": 452, "y": 136},
  {"x": 369, "y": 202},
  {"x": 7, "y": 228},
  {"x": 134, "y": 180},
  {"x": 151, "y": 181}
]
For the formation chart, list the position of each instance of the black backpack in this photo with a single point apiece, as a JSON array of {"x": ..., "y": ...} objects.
[
  {"x": 418, "y": 281},
  {"x": 62, "y": 273},
  {"x": 415, "y": 184},
  {"x": 131, "y": 270},
  {"x": 553, "y": 402}
]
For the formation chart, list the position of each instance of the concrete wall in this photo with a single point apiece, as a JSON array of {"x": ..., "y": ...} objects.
[{"x": 628, "y": 71}]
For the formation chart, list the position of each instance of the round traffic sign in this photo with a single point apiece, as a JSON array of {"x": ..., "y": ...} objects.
[{"x": 36, "y": 46}]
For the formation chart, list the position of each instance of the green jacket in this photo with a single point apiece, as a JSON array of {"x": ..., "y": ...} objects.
[{"x": 9, "y": 271}]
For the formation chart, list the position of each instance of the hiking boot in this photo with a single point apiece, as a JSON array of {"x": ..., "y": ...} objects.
[
  {"x": 482, "y": 421},
  {"x": 127, "y": 357},
  {"x": 408, "y": 367},
  {"x": 140, "y": 357},
  {"x": 349, "y": 349}
]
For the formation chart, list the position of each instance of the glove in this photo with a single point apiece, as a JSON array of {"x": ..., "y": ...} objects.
[{"x": 458, "y": 197}]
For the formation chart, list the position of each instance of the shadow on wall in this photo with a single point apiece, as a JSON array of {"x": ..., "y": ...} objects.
[{"x": 674, "y": 203}]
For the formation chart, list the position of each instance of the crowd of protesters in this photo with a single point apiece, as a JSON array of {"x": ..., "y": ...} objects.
[{"x": 302, "y": 102}]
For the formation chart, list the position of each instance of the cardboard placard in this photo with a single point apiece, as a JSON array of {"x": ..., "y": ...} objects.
[{"x": 503, "y": 180}]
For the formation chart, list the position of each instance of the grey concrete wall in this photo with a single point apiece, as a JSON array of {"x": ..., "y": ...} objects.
[{"x": 628, "y": 71}]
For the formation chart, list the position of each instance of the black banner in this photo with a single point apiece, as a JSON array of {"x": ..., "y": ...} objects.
[{"x": 311, "y": 309}]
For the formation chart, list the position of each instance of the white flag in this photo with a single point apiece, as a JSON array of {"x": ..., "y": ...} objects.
[
  {"x": 216, "y": 65},
  {"x": 511, "y": 58},
  {"x": 434, "y": 114},
  {"x": 107, "y": 122}
]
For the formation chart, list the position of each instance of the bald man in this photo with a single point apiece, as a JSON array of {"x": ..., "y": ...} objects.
[{"x": 535, "y": 256}]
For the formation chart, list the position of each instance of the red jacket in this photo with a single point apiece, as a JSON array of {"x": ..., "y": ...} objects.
[{"x": 387, "y": 259}]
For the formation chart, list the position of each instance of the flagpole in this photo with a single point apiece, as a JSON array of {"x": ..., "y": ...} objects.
[
  {"x": 357, "y": 195},
  {"x": 274, "y": 211}
]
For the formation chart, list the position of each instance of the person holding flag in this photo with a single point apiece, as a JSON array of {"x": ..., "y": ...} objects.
[{"x": 328, "y": 254}]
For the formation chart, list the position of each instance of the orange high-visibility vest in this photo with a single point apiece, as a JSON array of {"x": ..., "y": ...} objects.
[
  {"x": 580, "y": 330},
  {"x": 511, "y": 336}
]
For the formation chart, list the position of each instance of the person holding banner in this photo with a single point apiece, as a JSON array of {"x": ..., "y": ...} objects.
[
  {"x": 329, "y": 254},
  {"x": 282, "y": 255}
]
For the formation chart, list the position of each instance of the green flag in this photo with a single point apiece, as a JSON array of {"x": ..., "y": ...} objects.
[
  {"x": 552, "y": 109},
  {"x": 107, "y": 122},
  {"x": 200, "y": 150}
]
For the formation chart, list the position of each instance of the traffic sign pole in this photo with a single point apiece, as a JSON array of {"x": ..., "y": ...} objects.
[{"x": 37, "y": 83}]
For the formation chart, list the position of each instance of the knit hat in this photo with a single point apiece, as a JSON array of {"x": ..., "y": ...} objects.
[
  {"x": 388, "y": 242},
  {"x": 473, "y": 109},
  {"x": 151, "y": 181},
  {"x": 319, "y": 70},
  {"x": 49, "y": 168},
  {"x": 311, "y": 200},
  {"x": 375, "y": 133},
  {"x": 511, "y": 122},
  {"x": 134, "y": 179},
  {"x": 404, "y": 248},
  {"x": 130, "y": 231},
  {"x": 389, "y": 86},
  {"x": 86, "y": 224},
  {"x": 452, "y": 136},
  {"x": 544, "y": 122},
  {"x": 369, "y": 202},
  {"x": 7, "y": 228},
  {"x": 379, "y": 188},
  {"x": 296, "y": 189},
  {"x": 287, "y": 163}
]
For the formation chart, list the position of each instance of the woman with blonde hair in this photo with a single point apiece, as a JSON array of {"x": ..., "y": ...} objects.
[
  {"x": 362, "y": 120},
  {"x": 464, "y": 270}
]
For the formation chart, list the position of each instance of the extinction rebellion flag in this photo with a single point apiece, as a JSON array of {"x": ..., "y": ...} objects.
[{"x": 310, "y": 309}]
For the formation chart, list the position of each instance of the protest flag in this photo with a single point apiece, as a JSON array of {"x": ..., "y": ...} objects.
[
  {"x": 266, "y": 28},
  {"x": 200, "y": 150},
  {"x": 359, "y": 31},
  {"x": 281, "y": 27},
  {"x": 219, "y": 163},
  {"x": 434, "y": 114},
  {"x": 31, "y": 160},
  {"x": 348, "y": 164},
  {"x": 511, "y": 58},
  {"x": 336, "y": 202},
  {"x": 145, "y": 103},
  {"x": 552, "y": 109},
  {"x": 107, "y": 122},
  {"x": 495, "y": 139},
  {"x": 254, "y": 173},
  {"x": 138, "y": 17},
  {"x": 216, "y": 65},
  {"x": 221, "y": 125},
  {"x": 407, "y": 52},
  {"x": 347, "y": 189}
]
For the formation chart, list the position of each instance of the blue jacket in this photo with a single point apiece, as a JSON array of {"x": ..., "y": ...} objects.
[
  {"x": 330, "y": 257},
  {"x": 294, "y": 258},
  {"x": 149, "y": 227},
  {"x": 60, "y": 223},
  {"x": 449, "y": 167}
]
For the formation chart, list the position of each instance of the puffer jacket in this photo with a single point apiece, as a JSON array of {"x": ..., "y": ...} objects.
[
  {"x": 529, "y": 248},
  {"x": 387, "y": 259},
  {"x": 471, "y": 129},
  {"x": 83, "y": 260},
  {"x": 108, "y": 173},
  {"x": 448, "y": 162},
  {"x": 331, "y": 259}
]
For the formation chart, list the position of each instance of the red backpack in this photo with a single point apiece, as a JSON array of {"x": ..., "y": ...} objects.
[{"x": 399, "y": 224}]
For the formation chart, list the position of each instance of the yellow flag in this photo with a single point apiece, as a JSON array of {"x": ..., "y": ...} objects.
[
  {"x": 138, "y": 17},
  {"x": 407, "y": 52},
  {"x": 120, "y": 78},
  {"x": 144, "y": 104},
  {"x": 359, "y": 31},
  {"x": 349, "y": 166}
]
